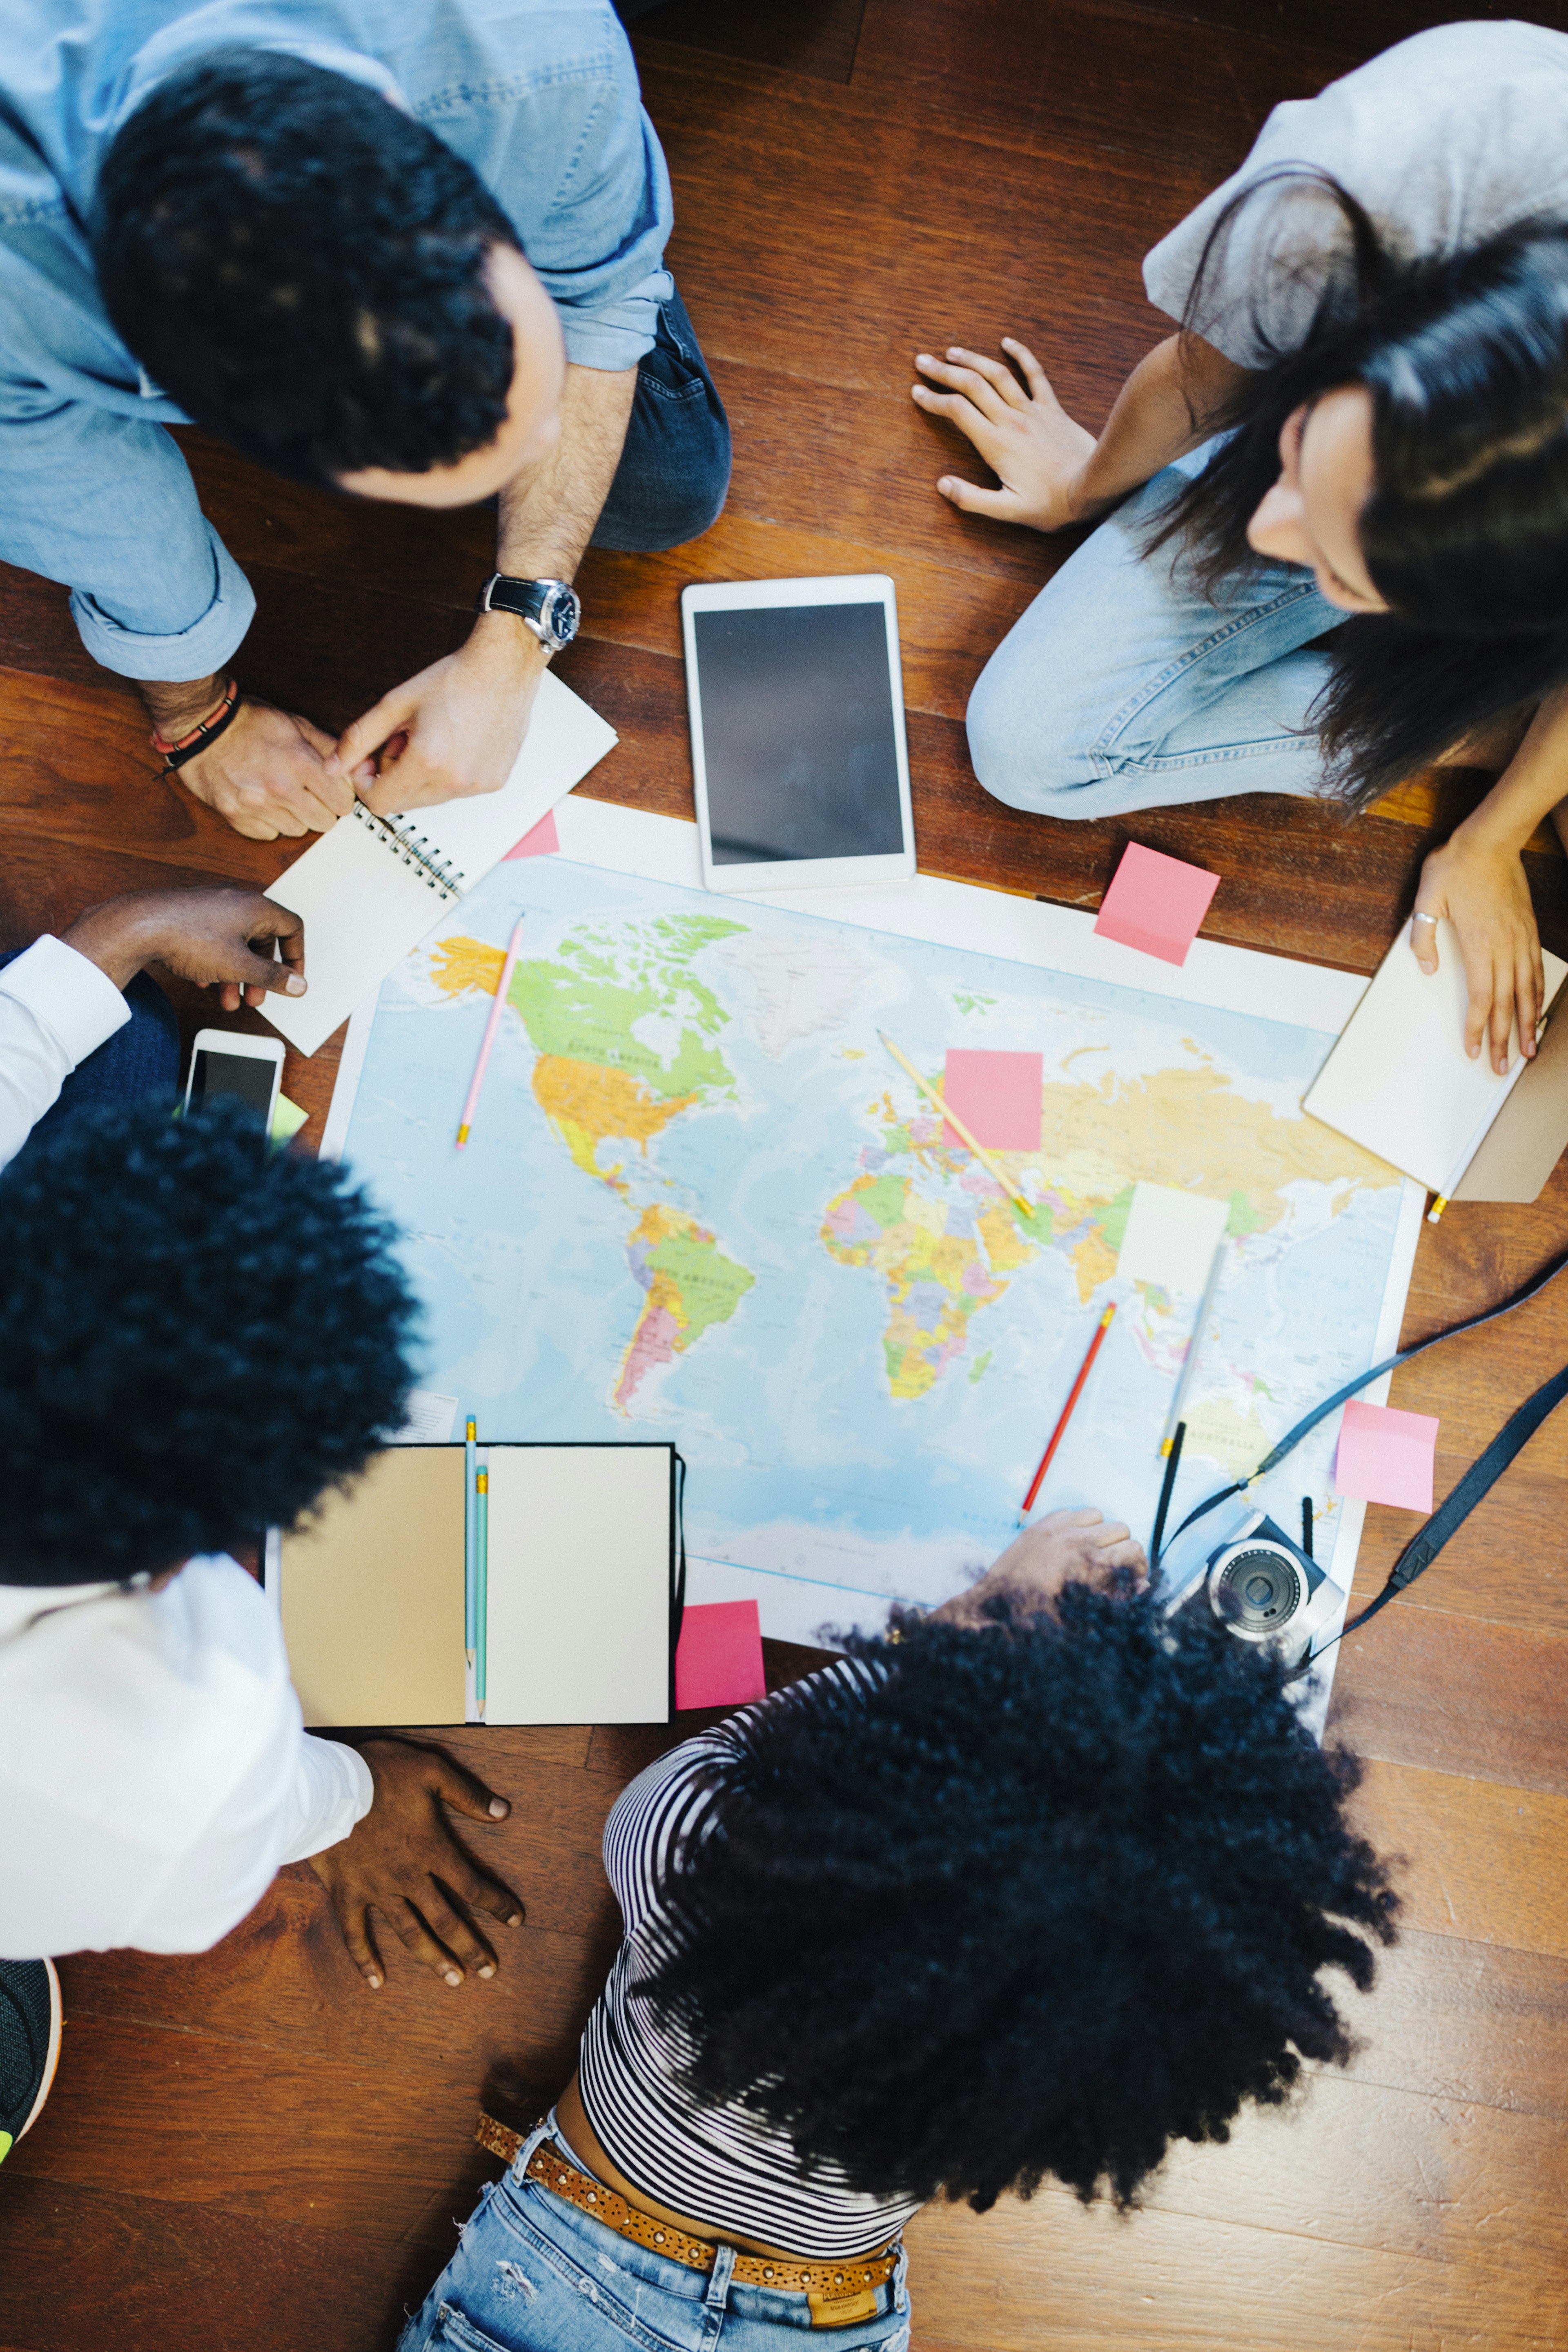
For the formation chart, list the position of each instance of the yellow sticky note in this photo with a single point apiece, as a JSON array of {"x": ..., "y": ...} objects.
[{"x": 287, "y": 1119}]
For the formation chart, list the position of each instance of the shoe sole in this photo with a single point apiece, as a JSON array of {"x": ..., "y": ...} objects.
[{"x": 52, "y": 2059}]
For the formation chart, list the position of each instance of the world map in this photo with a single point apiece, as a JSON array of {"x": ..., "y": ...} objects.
[{"x": 702, "y": 1204}]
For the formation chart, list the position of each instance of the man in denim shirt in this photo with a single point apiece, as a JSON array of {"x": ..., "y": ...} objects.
[{"x": 408, "y": 250}]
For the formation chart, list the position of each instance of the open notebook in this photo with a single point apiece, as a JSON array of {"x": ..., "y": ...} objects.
[
  {"x": 371, "y": 888},
  {"x": 582, "y": 1583},
  {"x": 1400, "y": 1083}
]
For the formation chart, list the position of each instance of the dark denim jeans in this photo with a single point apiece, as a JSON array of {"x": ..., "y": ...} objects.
[
  {"x": 143, "y": 1058},
  {"x": 674, "y": 473}
]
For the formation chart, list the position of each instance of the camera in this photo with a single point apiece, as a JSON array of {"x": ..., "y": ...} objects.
[{"x": 1264, "y": 1588}]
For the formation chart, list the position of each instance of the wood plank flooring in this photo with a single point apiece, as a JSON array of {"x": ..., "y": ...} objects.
[{"x": 248, "y": 2150}]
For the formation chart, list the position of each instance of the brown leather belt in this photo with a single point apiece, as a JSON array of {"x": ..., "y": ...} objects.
[{"x": 838, "y": 2292}]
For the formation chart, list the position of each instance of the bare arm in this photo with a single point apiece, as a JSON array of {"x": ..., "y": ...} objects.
[
  {"x": 263, "y": 774},
  {"x": 458, "y": 727},
  {"x": 1478, "y": 880},
  {"x": 1053, "y": 471},
  {"x": 221, "y": 938}
]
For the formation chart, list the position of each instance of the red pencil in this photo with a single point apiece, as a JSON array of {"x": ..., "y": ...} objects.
[{"x": 1061, "y": 1430}]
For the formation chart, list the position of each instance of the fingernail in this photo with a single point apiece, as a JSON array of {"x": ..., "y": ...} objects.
[
  {"x": 923, "y": 359},
  {"x": 453, "y": 1977},
  {"x": 487, "y": 1970},
  {"x": 294, "y": 986},
  {"x": 500, "y": 1809},
  {"x": 374, "y": 1983},
  {"x": 333, "y": 765},
  {"x": 953, "y": 352},
  {"x": 514, "y": 1918},
  {"x": 1472, "y": 1051}
]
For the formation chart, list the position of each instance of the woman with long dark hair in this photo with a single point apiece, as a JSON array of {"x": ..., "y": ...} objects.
[
  {"x": 1030, "y": 1886},
  {"x": 1344, "y": 555}
]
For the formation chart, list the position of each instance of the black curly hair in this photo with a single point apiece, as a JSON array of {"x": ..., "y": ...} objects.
[
  {"x": 197, "y": 1336},
  {"x": 301, "y": 266},
  {"x": 1036, "y": 1898}
]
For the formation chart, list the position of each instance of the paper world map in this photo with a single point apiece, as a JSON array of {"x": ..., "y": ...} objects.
[{"x": 702, "y": 1204}]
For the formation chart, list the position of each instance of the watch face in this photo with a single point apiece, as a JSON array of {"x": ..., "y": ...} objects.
[{"x": 560, "y": 613}]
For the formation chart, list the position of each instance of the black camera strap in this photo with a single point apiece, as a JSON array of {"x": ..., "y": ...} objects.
[{"x": 1478, "y": 1481}]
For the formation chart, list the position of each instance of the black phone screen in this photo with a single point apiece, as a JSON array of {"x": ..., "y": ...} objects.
[
  {"x": 236, "y": 1078},
  {"x": 799, "y": 735}
]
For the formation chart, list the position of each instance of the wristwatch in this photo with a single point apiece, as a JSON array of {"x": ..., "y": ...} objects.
[{"x": 549, "y": 607}]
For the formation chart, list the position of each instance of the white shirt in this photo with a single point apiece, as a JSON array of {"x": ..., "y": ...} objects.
[
  {"x": 56, "y": 1008},
  {"x": 1445, "y": 139},
  {"x": 154, "y": 1771}
]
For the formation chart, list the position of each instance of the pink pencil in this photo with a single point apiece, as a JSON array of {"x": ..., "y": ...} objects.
[{"x": 508, "y": 966}]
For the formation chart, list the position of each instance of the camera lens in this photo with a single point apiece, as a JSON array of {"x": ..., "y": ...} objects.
[{"x": 1260, "y": 1590}]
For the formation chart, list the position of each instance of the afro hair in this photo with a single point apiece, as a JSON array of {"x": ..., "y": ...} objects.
[
  {"x": 198, "y": 1335},
  {"x": 1038, "y": 1897}
]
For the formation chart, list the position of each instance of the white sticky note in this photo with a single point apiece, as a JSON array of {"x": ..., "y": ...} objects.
[
  {"x": 430, "y": 1419},
  {"x": 1171, "y": 1237}
]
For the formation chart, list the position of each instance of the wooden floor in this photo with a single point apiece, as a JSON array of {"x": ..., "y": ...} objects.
[{"x": 247, "y": 2149}]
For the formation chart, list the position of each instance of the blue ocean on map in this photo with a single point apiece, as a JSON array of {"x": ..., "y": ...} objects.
[{"x": 702, "y": 1204}]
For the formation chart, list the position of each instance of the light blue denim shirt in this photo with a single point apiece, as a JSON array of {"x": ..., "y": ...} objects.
[{"x": 539, "y": 96}]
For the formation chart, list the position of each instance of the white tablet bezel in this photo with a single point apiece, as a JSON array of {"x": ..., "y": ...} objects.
[{"x": 798, "y": 873}]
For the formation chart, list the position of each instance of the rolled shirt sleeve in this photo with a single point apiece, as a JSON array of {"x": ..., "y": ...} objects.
[
  {"x": 105, "y": 504},
  {"x": 56, "y": 1008}
]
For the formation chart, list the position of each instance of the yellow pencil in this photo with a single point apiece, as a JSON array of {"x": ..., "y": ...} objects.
[{"x": 954, "y": 1121}]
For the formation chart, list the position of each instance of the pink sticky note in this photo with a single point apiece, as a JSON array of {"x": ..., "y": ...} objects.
[
  {"x": 1385, "y": 1455},
  {"x": 997, "y": 1095},
  {"x": 540, "y": 842},
  {"x": 719, "y": 1662},
  {"x": 1155, "y": 903}
]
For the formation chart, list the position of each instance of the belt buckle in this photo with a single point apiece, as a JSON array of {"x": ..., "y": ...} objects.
[{"x": 840, "y": 2310}]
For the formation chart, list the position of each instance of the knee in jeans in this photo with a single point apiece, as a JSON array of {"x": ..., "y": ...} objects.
[{"x": 1015, "y": 756}]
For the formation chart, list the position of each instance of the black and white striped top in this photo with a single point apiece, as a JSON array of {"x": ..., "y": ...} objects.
[{"x": 720, "y": 2165}]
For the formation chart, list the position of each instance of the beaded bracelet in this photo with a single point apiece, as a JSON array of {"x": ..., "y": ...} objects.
[{"x": 186, "y": 747}]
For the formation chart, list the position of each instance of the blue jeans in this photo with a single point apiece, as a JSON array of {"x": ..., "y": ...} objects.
[
  {"x": 674, "y": 473},
  {"x": 533, "y": 2275},
  {"x": 141, "y": 1058},
  {"x": 1123, "y": 687}
]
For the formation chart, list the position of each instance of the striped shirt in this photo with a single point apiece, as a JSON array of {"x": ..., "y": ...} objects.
[{"x": 720, "y": 2165}]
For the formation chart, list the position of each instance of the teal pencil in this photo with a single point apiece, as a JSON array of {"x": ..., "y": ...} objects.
[
  {"x": 482, "y": 1580},
  {"x": 470, "y": 1555}
]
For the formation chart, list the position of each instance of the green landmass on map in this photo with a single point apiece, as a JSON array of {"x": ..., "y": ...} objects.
[
  {"x": 599, "y": 1083},
  {"x": 945, "y": 1239}
]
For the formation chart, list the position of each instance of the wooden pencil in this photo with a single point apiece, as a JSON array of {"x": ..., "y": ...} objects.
[
  {"x": 1018, "y": 1199},
  {"x": 1058, "y": 1433}
]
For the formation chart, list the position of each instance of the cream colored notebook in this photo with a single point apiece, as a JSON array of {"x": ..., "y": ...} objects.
[
  {"x": 580, "y": 1582},
  {"x": 1400, "y": 1083},
  {"x": 371, "y": 888}
]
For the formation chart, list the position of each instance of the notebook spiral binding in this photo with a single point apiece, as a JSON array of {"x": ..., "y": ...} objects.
[{"x": 438, "y": 873}]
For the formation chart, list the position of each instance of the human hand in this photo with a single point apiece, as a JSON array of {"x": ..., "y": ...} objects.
[
  {"x": 1025, "y": 436},
  {"x": 454, "y": 729},
  {"x": 216, "y": 936},
  {"x": 264, "y": 776},
  {"x": 1064, "y": 1547},
  {"x": 1480, "y": 885},
  {"x": 403, "y": 1861}
]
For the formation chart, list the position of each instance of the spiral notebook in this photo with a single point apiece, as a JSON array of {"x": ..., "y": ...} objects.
[{"x": 369, "y": 890}]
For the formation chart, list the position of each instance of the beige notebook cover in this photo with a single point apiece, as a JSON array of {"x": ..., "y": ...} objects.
[
  {"x": 1400, "y": 1083},
  {"x": 371, "y": 888},
  {"x": 581, "y": 1553}
]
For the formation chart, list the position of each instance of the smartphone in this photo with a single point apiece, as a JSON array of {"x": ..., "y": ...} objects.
[
  {"x": 797, "y": 743},
  {"x": 248, "y": 1070}
]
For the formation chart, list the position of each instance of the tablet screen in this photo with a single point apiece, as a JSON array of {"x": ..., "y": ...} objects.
[{"x": 798, "y": 732}]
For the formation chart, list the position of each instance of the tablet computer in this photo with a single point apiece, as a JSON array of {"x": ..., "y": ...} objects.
[{"x": 798, "y": 746}]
